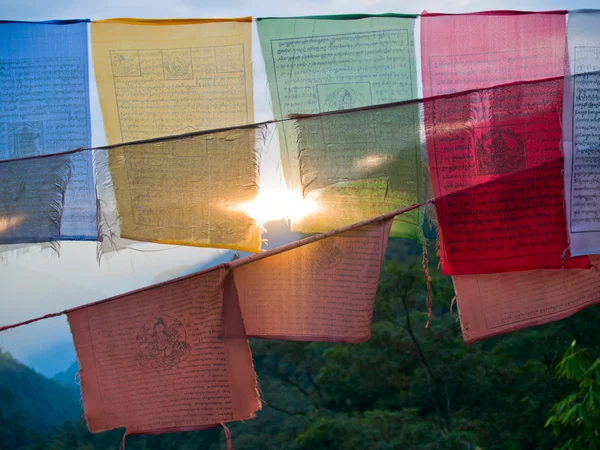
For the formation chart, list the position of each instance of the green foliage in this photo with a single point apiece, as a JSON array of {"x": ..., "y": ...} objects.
[
  {"x": 43, "y": 404},
  {"x": 576, "y": 417}
]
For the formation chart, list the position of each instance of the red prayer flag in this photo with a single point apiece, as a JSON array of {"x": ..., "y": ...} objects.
[{"x": 495, "y": 153}]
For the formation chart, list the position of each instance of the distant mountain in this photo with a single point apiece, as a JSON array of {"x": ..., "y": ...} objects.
[
  {"x": 68, "y": 377},
  {"x": 51, "y": 359},
  {"x": 44, "y": 404},
  {"x": 189, "y": 269}
]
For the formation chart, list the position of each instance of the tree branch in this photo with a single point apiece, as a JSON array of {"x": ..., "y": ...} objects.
[
  {"x": 431, "y": 375},
  {"x": 285, "y": 411}
]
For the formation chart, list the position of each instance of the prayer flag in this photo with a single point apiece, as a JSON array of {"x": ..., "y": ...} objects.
[
  {"x": 160, "y": 78},
  {"x": 32, "y": 193},
  {"x": 167, "y": 77},
  {"x": 328, "y": 63},
  {"x": 495, "y": 154},
  {"x": 320, "y": 291},
  {"x": 45, "y": 109},
  {"x": 581, "y": 133},
  {"x": 188, "y": 190},
  {"x": 171, "y": 357},
  {"x": 359, "y": 164},
  {"x": 499, "y": 303}
]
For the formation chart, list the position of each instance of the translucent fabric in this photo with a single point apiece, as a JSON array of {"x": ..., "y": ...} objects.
[
  {"x": 45, "y": 109},
  {"x": 581, "y": 133},
  {"x": 330, "y": 63}
]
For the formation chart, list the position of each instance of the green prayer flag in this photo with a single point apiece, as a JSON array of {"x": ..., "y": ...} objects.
[{"x": 331, "y": 63}]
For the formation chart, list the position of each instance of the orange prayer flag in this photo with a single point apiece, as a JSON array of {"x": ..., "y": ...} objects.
[
  {"x": 172, "y": 357},
  {"x": 321, "y": 291},
  {"x": 503, "y": 302}
]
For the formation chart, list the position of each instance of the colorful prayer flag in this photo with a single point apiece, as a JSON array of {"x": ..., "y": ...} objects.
[
  {"x": 32, "y": 194},
  {"x": 189, "y": 190},
  {"x": 499, "y": 303},
  {"x": 319, "y": 64},
  {"x": 495, "y": 153},
  {"x": 167, "y": 77},
  {"x": 171, "y": 357},
  {"x": 360, "y": 164},
  {"x": 321, "y": 291},
  {"x": 45, "y": 109},
  {"x": 581, "y": 133}
]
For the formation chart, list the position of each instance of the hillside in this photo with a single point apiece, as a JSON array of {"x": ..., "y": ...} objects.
[
  {"x": 43, "y": 404},
  {"x": 68, "y": 377}
]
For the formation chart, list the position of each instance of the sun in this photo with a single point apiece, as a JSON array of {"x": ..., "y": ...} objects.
[{"x": 271, "y": 205}]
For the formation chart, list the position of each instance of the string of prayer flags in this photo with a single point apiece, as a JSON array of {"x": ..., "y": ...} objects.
[
  {"x": 168, "y": 77},
  {"x": 32, "y": 194},
  {"x": 186, "y": 190},
  {"x": 581, "y": 133},
  {"x": 175, "y": 356},
  {"x": 157, "y": 360},
  {"x": 321, "y": 291},
  {"x": 329, "y": 63},
  {"x": 495, "y": 154},
  {"x": 45, "y": 109},
  {"x": 368, "y": 238},
  {"x": 499, "y": 303}
]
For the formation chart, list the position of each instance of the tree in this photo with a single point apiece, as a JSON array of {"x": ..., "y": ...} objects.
[{"x": 576, "y": 417}]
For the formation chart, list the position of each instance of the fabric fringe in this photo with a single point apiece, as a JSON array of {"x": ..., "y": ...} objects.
[
  {"x": 108, "y": 221},
  {"x": 53, "y": 176},
  {"x": 10, "y": 252},
  {"x": 61, "y": 169}
]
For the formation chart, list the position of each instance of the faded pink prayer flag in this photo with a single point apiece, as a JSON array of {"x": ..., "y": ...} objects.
[
  {"x": 172, "y": 357},
  {"x": 503, "y": 302},
  {"x": 321, "y": 291}
]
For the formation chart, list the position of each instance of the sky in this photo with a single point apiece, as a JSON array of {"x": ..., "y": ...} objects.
[{"x": 35, "y": 283}]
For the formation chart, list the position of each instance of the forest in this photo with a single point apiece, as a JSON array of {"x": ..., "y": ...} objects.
[{"x": 408, "y": 387}]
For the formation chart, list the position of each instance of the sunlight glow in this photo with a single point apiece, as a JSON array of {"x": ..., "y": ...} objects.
[
  {"x": 6, "y": 223},
  {"x": 277, "y": 205}
]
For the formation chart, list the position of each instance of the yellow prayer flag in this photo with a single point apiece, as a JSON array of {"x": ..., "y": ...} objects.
[
  {"x": 156, "y": 80},
  {"x": 187, "y": 190}
]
